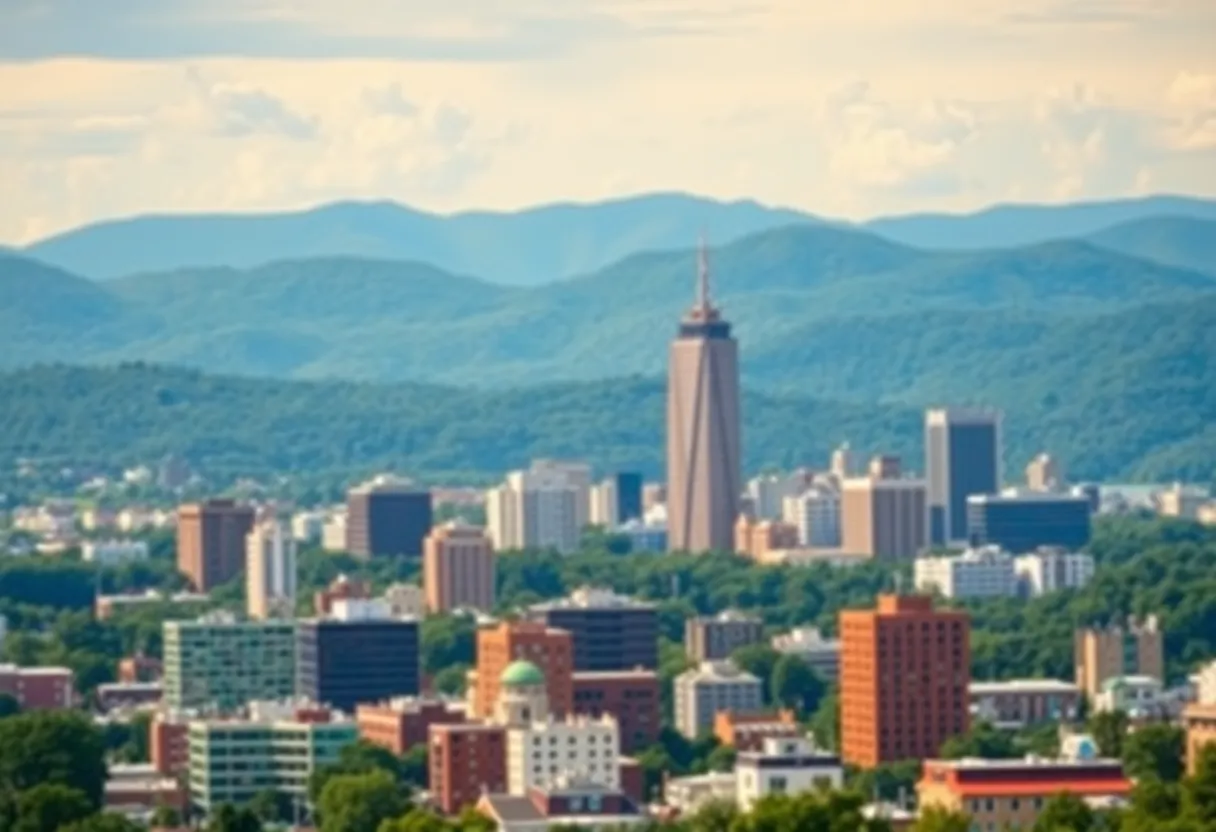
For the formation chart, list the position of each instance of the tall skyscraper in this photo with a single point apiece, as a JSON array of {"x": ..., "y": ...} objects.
[
  {"x": 703, "y": 432},
  {"x": 962, "y": 457},
  {"x": 211, "y": 541},
  {"x": 387, "y": 516},
  {"x": 270, "y": 570}
]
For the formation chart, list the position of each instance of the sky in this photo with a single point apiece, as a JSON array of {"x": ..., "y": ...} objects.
[{"x": 844, "y": 108}]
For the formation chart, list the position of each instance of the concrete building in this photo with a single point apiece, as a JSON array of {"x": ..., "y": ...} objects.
[
  {"x": 549, "y": 648},
  {"x": 1023, "y": 521},
  {"x": 962, "y": 458},
  {"x": 711, "y": 687},
  {"x": 644, "y": 536},
  {"x": 986, "y": 572},
  {"x": 386, "y": 517},
  {"x": 458, "y": 568},
  {"x": 617, "y": 500},
  {"x": 1204, "y": 681},
  {"x": 1142, "y": 698},
  {"x": 211, "y": 541},
  {"x": 465, "y": 762},
  {"x": 1052, "y": 569},
  {"x": 703, "y": 428},
  {"x": 756, "y": 539},
  {"x": 404, "y": 722},
  {"x": 768, "y": 492},
  {"x": 1107, "y": 653},
  {"x": 405, "y": 601},
  {"x": 219, "y": 662},
  {"x": 136, "y": 789},
  {"x": 904, "y": 674},
  {"x": 1181, "y": 501},
  {"x": 1199, "y": 719},
  {"x": 270, "y": 571},
  {"x": 277, "y": 747},
  {"x": 809, "y": 644},
  {"x": 536, "y": 509},
  {"x": 108, "y": 606},
  {"x": 113, "y": 552},
  {"x": 359, "y": 654},
  {"x": 333, "y": 532},
  {"x": 749, "y": 731},
  {"x": 308, "y": 527},
  {"x": 710, "y": 638},
  {"x": 784, "y": 766},
  {"x": 610, "y": 631},
  {"x": 1019, "y": 703},
  {"x": 1044, "y": 473},
  {"x": 631, "y": 697},
  {"x": 883, "y": 518},
  {"x": 815, "y": 513},
  {"x": 1010, "y": 794},
  {"x": 39, "y": 688}
]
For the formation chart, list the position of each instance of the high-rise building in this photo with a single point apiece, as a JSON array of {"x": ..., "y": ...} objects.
[
  {"x": 630, "y": 696},
  {"x": 904, "y": 676},
  {"x": 610, "y": 631},
  {"x": 1044, "y": 473},
  {"x": 270, "y": 570},
  {"x": 358, "y": 655},
  {"x": 710, "y": 638},
  {"x": 211, "y": 541},
  {"x": 703, "y": 691},
  {"x": 499, "y": 645},
  {"x": 465, "y": 762},
  {"x": 962, "y": 458},
  {"x": 1115, "y": 651},
  {"x": 387, "y": 516},
  {"x": 703, "y": 428},
  {"x": 458, "y": 568},
  {"x": 616, "y": 500},
  {"x": 219, "y": 662},
  {"x": 882, "y": 518},
  {"x": 536, "y": 509},
  {"x": 1022, "y": 521}
]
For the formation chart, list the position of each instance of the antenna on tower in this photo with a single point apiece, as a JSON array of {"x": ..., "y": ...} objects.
[{"x": 702, "y": 273}]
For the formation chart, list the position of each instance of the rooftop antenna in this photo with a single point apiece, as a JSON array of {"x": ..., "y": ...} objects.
[{"x": 702, "y": 274}]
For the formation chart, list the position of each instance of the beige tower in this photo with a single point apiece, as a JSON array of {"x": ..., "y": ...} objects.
[{"x": 703, "y": 444}]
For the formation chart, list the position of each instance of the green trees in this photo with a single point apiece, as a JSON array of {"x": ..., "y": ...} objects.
[
  {"x": 1109, "y": 730},
  {"x": 48, "y": 806},
  {"x": 1155, "y": 752},
  {"x": 981, "y": 741},
  {"x": 232, "y": 819},
  {"x": 795, "y": 685},
  {"x": 52, "y": 747},
  {"x": 357, "y": 802},
  {"x": 939, "y": 820},
  {"x": 1065, "y": 813}
]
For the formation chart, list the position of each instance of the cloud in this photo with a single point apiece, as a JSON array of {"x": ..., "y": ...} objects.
[
  {"x": 239, "y": 111},
  {"x": 1192, "y": 97}
]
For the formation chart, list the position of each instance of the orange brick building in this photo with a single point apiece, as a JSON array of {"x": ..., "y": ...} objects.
[
  {"x": 747, "y": 732},
  {"x": 466, "y": 761},
  {"x": 550, "y": 649},
  {"x": 400, "y": 724},
  {"x": 904, "y": 674}
]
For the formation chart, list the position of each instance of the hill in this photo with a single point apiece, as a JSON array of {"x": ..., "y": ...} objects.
[
  {"x": 1184, "y": 242},
  {"x": 1008, "y": 226},
  {"x": 527, "y": 247},
  {"x": 228, "y": 426}
]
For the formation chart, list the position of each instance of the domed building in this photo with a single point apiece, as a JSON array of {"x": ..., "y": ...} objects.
[{"x": 523, "y": 697}]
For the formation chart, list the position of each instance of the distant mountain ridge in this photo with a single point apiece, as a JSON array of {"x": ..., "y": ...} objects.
[{"x": 536, "y": 246}]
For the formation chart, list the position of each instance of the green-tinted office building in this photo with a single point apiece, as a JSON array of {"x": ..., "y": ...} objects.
[{"x": 218, "y": 662}]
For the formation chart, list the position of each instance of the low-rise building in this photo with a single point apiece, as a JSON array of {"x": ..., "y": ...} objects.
[
  {"x": 1052, "y": 569},
  {"x": 1140, "y": 697},
  {"x": 38, "y": 688},
  {"x": 702, "y": 692},
  {"x": 1200, "y": 722},
  {"x": 1019, "y": 703},
  {"x": 107, "y": 606},
  {"x": 749, "y": 732},
  {"x": 711, "y": 638},
  {"x": 820, "y": 653},
  {"x": 631, "y": 697},
  {"x": 113, "y": 552},
  {"x": 644, "y": 535},
  {"x": 986, "y": 572},
  {"x": 784, "y": 765},
  {"x": 113, "y": 696},
  {"x": 400, "y": 724},
  {"x": 572, "y": 803},
  {"x": 138, "y": 788}
]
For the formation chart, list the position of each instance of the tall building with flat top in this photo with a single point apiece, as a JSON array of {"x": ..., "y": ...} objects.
[
  {"x": 211, "y": 541},
  {"x": 387, "y": 517},
  {"x": 962, "y": 458},
  {"x": 703, "y": 432}
]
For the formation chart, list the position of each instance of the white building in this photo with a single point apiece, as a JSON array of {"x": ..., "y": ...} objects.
[
  {"x": 1052, "y": 569},
  {"x": 537, "y": 509},
  {"x": 691, "y": 793},
  {"x": 816, "y": 514},
  {"x": 808, "y": 643},
  {"x": 986, "y": 572},
  {"x": 113, "y": 552},
  {"x": 333, "y": 532},
  {"x": 768, "y": 492},
  {"x": 1205, "y": 684},
  {"x": 307, "y": 527},
  {"x": 405, "y": 600},
  {"x": 543, "y": 750},
  {"x": 784, "y": 766},
  {"x": 270, "y": 570},
  {"x": 1137, "y": 696},
  {"x": 711, "y": 687}
]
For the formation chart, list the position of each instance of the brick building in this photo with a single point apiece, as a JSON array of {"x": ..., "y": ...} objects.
[
  {"x": 550, "y": 649},
  {"x": 632, "y": 696},
  {"x": 466, "y": 761},
  {"x": 402, "y": 723}
]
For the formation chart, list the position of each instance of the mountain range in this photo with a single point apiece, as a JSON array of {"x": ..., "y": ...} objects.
[{"x": 540, "y": 245}]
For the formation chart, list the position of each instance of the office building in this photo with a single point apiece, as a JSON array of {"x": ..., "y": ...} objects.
[
  {"x": 904, "y": 675},
  {"x": 270, "y": 570},
  {"x": 986, "y": 572},
  {"x": 536, "y": 509},
  {"x": 1044, "y": 473},
  {"x": 700, "y": 693},
  {"x": 883, "y": 518},
  {"x": 703, "y": 428},
  {"x": 387, "y": 517},
  {"x": 217, "y": 662},
  {"x": 277, "y": 748},
  {"x": 39, "y": 688},
  {"x": 709, "y": 638},
  {"x": 815, "y": 513},
  {"x": 785, "y": 766},
  {"x": 616, "y": 500},
  {"x": 404, "y": 722},
  {"x": 358, "y": 655},
  {"x": 962, "y": 458},
  {"x": 1020, "y": 703},
  {"x": 756, "y": 539},
  {"x": 464, "y": 762},
  {"x": 631, "y": 697},
  {"x": 458, "y": 568},
  {"x": 113, "y": 552},
  {"x": 610, "y": 631},
  {"x": 1010, "y": 794},
  {"x": 1022, "y": 521},
  {"x": 821, "y": 654},
  {"x": 1101, "y": 654},
  {"x": 550, "y": 649},
  {"x": 211, "y": 541},
  {"x": 1051, "y": 569}
]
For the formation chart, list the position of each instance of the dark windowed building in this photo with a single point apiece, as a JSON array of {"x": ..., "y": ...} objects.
[
  {"x": 1021, "y": 522},
  {"x": 357, "y": 655},
  {"x": 610, "y": 632},
  {"x": 387, "y": 517},
  {"x": 962, "y": 457}
]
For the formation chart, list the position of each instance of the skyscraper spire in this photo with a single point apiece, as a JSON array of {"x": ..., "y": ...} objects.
[{"x": 703, "y": 301}]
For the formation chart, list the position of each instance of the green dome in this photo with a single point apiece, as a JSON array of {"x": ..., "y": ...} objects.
[{"x": 522, "y": 673}]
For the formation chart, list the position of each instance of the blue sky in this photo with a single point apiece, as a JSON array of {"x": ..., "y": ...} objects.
[{"x": 846, "y": 109}]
